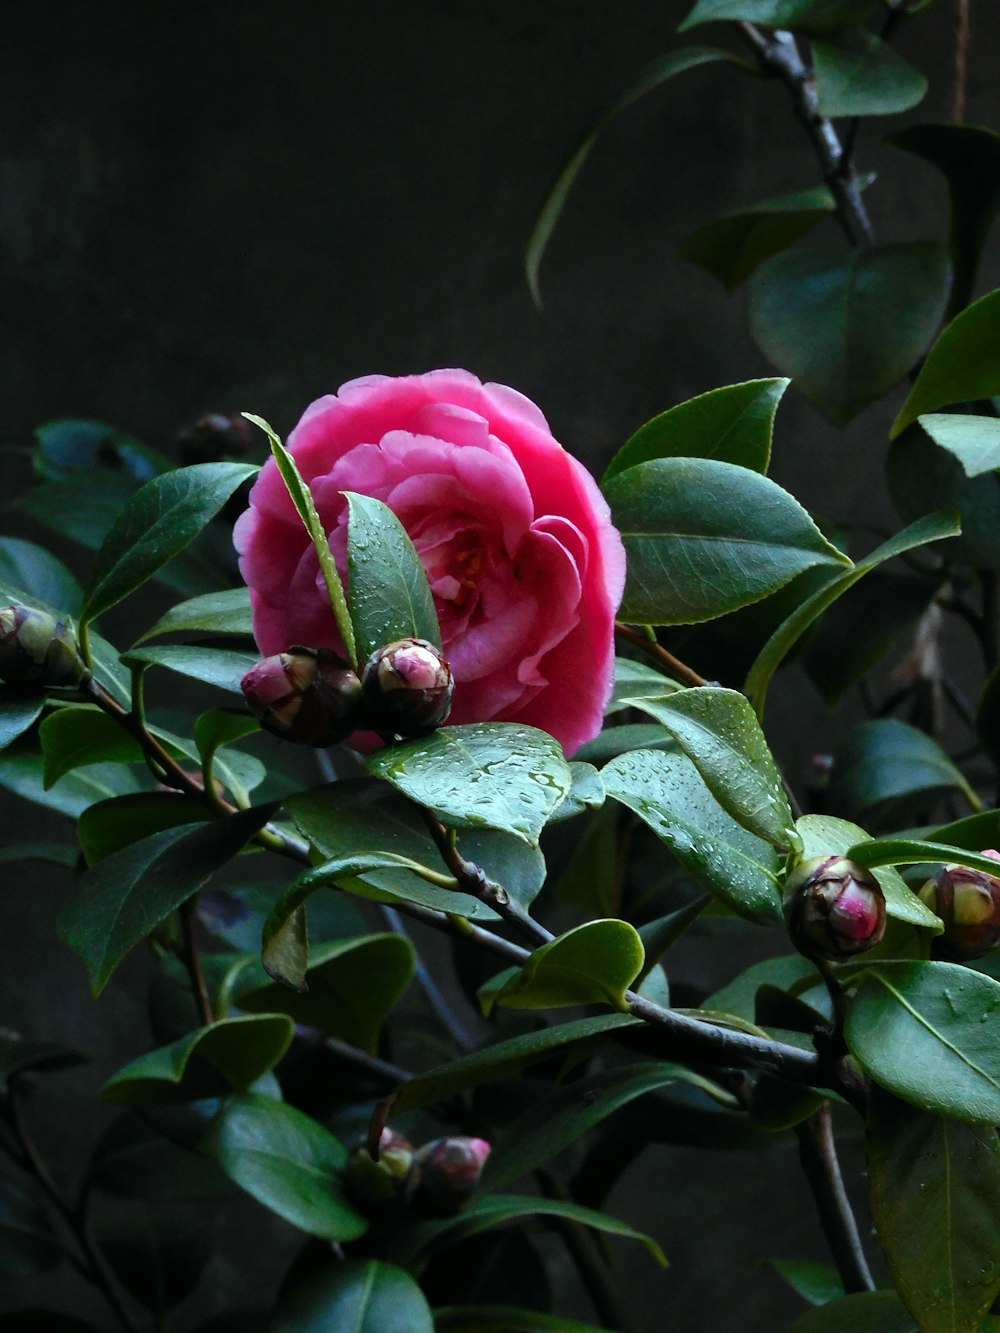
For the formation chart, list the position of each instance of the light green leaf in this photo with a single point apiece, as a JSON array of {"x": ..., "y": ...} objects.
[
  {"x": 586, "y": 792},
  {"x": 353, "y": 1296},
  {"x": 732, "y": 246},
  {"x": 592, "y": 964},
  {"x": 857, "y": 74},
  {"x": 974, "y": 440},
  {"x": 635, "y": 680},
  {"x": 732, "y": 425},
  {"x": 961, "y": 366},
  {"x": 389, "y": 596},
  {"x": 814, "y": 1282},
  {"x": 225, "y": 612},
  {"x": 848, "y": 326},
  {"x": 703, "y": 538}
]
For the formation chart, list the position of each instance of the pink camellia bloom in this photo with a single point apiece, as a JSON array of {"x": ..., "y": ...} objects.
[{"x": 523, "y": 561}]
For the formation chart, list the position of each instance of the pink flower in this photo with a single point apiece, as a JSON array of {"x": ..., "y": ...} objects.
[{"x": 524, "y": 564}]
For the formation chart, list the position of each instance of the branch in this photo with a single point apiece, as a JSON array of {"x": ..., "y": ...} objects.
[
  {"x": 818, "y": 1154},
  {"x": 673, "y": 666}
]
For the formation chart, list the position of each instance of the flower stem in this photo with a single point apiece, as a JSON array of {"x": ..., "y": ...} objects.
[
  {"x": 673, "y": 666},
  {"x": 192, "y": 961},
  {"x": 818, "y": 1154}
]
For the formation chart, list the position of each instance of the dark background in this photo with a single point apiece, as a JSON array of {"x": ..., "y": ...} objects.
[{"x": 227, "y": 206}]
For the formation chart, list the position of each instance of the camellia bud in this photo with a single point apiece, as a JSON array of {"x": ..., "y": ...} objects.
[
  {"x": 389, "y": 1178},
  {"x": 834, "y": 907},
  {"x": 449, "y": 1171},
  {"x": 407, "y": 687},
  {"x": 307, "y": 695},
  {"x": 37, "y": 649},
  {"x": 968, "y": 902}
]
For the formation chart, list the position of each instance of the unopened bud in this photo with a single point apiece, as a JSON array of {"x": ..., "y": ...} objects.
[
  {"x": 407, "y": 688},
  {"x": 834, "y": 907},
  {"x": 37, "y": 649},
  {"x": 968, "y": 902},
  {"x": 386, "y": 1180},
  {"x": 214, "y": 436},
  {"x": 450, "y": 1170},
  {"x": 307, "y": 695}
]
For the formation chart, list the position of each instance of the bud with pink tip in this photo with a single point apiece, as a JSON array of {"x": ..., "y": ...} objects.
[
  {"x": 407, "y": 687},
  {"x": 389, "y": 1178},
  {"x": 449, "y": 1171},
  {"x": 307, "y": 695},
  {"x": 834, "y": 908},
  {"x": 37, "y": 649},
  {"x": 968, "y": 902}
]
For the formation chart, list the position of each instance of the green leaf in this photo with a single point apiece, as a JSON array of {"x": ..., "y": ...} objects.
[
  {"x": 504, "y": 1319},
  {"x": 969, "y": 158},
  {"x": 719, "y": 732},
  {"x": 498, "y": 775},
  {"x": 504, "y": 1059},
  {"x": 732, "y": 246},
  {"x": 935, "y": 1193},
  {"x": 666, "y": 791},
  {"x": 225, "y": 612},
  {"x": 586, "y": 792},
  {"x": 121, "y": 899},
  {"x": 866, "y": 1312},
  {"x": 35, "y": 570},
  {"x": 615, "y": 741},
  {"x": 222, "y": 667},
  {"x": 389, "y": 595},
  {"x": 494, "y": 1210},
  {"x": 932, "y": 527},
  {"x": 134, "y": 1161},
  {"x": 857, "y": 74},
  {"x": 848, "y": 326},
  {"x": 703, "y": 538},
  {"x": 800, "y": 15},
  {"x": 286, "y": 1161},
  {"x": 635, "y": 680},
  {"x": 55, "y": 853},
  {"x": 815, "y": 1283},
  {"x": 353, "y": 985},
  {"x": 69, "y": 446},
  {"x": 593, "y": 964},
  {"x": 80, "y": 735},
  {"x": 301, "y": 498},
  {"x": 239, "y": 1049},
  {"x": 961, "y": 366},
  {"x": 28, "y": 1245},
  {"x": 18, "y": 1056},
  {"x": 353, "y": 1296},
  {"x": 161, "y": 519},
  {"x": 157, "y": 1262},
  {"x": 218, "y": 727},
  {"x": 22, "y": 773},
  {"x": 917, "y": 851},
  {"x": 655, "y": 74},
  {"x": 732, "y": 425},
  {"x": 922, "y": 476},
  {"x": 974, "y": 440},
  {"x": 19, "y": 712},
  {"x": 930, "y": 1033},
  {"x": 885, "y": 758},
  {"x": 107, "y": 826}
]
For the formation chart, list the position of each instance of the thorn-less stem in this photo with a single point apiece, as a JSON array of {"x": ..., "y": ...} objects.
[
  {"x": 818, "y": 1154},
  {"x": 382, "y": 1070},
  {"x": 961, "y": 64},
  {"x": 192, "y": 961},
  {"x": 585, "y": 1253},
  {"x": 671, "y": 665},
  {"x": 440, "y": 1007}
]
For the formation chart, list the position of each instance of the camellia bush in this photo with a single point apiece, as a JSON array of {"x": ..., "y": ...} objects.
[{"x": 451, "y": 697}]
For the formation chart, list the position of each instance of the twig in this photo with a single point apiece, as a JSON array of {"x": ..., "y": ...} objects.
[
  {"x": 378, "y": 1068},
  {"x": 586, "y": 1257},
  {"x": 779, "y": 53},
  {"x": 961, "y": 65},
  {"x": 192, "y": 961},
  {"x": 818, "y": 1154},
  {"x": 672, "y": 665}
]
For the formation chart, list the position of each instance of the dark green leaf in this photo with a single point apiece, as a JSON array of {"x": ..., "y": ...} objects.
[
  {"x": 134, "y": 1161},
  {"x": 658, "y": 935},
  {"x": 655, "y": 74},
  {"x": 157, "y": 1262},
  {"x": 635, "y": 680},
  {"x": 917, "y": 851},
  {"x": 18, "y": 1056},
  {"x": 161, "y": 519},
  {"x": 800, "y": 15},
  {"x": 28, "y": 1244},
  {"x": 732, "y": 425},
  {"x": 961, "y": 366},
  {"x": 83, "y": 513},
  {"x": 225, "y": 612},
  {"x": 35, "y": 570},
  {"x": 389, "y": 596},
  {"x": 974, "y": 440},
  {"x": 82, "y": 735},
  {"x": 18, "y": 713},
  {"x": 922, "y": 476},
  {"x": 886, "y": 758},
  {"x": 121, "y": 899},
  {"x": 287, "y": 1161},
  {"x": 734, "y": 245},
  {"x": 69, "y": 446},
  {"x": 930, "y": 1033},
  {"x": 504, "y": 1319},
  {"x": 21, "y": 772},
  {"x": 222, "y": 667},
  {"x": 719, "y": 732},
  {"x": 703, "y": 538},
  {"x": 847, "y": 327},
  {"x": 57, "y": 854},
  {"x": 857, "y": 74},
  {"x": 815, "y": 1283},
  {"x": 497, "y": 775},
  {"x": 666, "y": 791},
  {"x": 615, "y": 741},
  {"x": 592, "y": 964},
  {"x": 590, "y": 880},
  {"x": 353, "y": 985},
  {"x": 107, "y": 826},
  {"x": 867, "y": 1312},
  {"x": 935, "y": 1192},
  {"x": 353, "y": 1296}
]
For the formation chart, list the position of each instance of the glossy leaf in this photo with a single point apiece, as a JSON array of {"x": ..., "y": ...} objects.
[
  {"x": 703, "y": 538},
  {"x": 239, "y": 1049},
  {"x": 586, "y": 792},
  {"x": 161, "y": 518},
  {"x": 22, "y": 772},
  {"x": 935, "y": 1193},
  {"x": 932, "y": 527},
  {"x": 498, "y": 775},
  {"x": 107, "y": 826},
  {"x": 226, "y": 612},
  {"x": 286, "y": 1161},
  {"x": 19, "y": 711},
  {"x": 635, "y": 680},
  {"x": 504, "y": 1319},
  {"x": 917, "y": 851},
  {"x": 505, "y": 1059},
  {"x": 719, "y": 732},
  {"x": 733, "y": 424},
  {"x": 857, "y": 74},
  {"x": 961, "y": 366},
  {"x": 80, "y": 735},
  {"x": 592, "y": 964},
  {"x": 120, "y": 900},
  {"x": 930, "y": 1033},
  {"x": 389, "y": 596},
  {"x": 615, "y": 741},
  {"x": 222, "y": 667},
  {"x": 814, "y": 1282},
  {"x": 922, "y": 476},
  {"x": 38, "y": 573},
  {"x": 353, "y": 1296},
  {"x": 848, "y": 326},
  {"x": 800, "y": 15},
  {"x": 666, "y": 791},
  {"x": 974, "y": 440},
  {"x": 28, "y": 1244},
  {"x": 655, "y": 74},
  {"x": 732, "y": 246},
  {"x": 865, "y": 1312},
  {"x": 886, "y": 758},
  {"x": 353, "y": 985}
]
